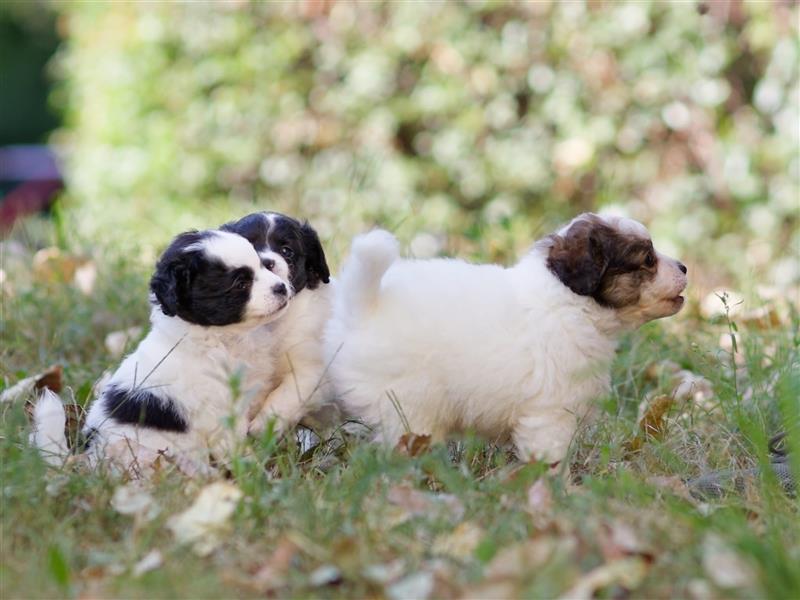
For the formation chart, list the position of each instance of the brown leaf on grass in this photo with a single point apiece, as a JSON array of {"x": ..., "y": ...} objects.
[
  {"x": 272, "y": 573},
  {"x": 50, "y": 379},
  {"x": 652, "y": 423},
  {"x": 412, "y": 444},
  {"x": 203, "y": 522},
  {"x": 418, "y": 503},
  {"x": 133, "y": 499},
  {"x": 626, "y": 572}
]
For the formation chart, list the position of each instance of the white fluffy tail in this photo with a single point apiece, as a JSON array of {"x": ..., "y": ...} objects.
[
  {"x": 49, "y": 419},
  {"x": 370, "y": 256}
]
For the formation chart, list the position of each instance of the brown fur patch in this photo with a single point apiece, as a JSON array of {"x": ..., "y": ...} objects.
[{"x": 595, "y": 259}]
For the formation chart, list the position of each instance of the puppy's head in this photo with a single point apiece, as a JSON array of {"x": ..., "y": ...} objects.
[
  {"x": 217, "y": 278},
  {"x": 287, "y": 242},
  {"x": 612, "y": 260}
]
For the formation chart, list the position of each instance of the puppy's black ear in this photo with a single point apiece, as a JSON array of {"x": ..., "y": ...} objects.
[
  {"x": 168, "y": 285},
  {"x": 316, "y": 267},
  {"x": 578, "y": 258},
  {"x": 173, "y": 274}
]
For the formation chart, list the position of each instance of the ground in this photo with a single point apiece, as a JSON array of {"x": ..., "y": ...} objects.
[{"x": 464, "y": 519}]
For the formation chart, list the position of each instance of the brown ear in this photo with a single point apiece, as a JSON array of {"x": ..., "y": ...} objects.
[{"x": 578, "y": 258}]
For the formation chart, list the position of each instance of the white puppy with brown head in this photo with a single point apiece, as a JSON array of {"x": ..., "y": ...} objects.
[{"x": 442, "y": 345}]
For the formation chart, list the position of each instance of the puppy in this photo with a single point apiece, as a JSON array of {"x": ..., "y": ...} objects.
[
  {"x": 439, "y": 346},
  {"x": 176, "y": 393},
  {"x": 184, "y": 392},
  {"x": 296, "y": 384}
]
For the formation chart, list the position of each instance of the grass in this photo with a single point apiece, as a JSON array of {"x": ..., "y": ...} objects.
[{"x": 345, "y": 520}]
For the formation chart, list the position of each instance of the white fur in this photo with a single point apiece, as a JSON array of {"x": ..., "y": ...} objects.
[
  {"x": 196, "y": 367},
  {"x": 48, "y": 434},
  {"x": 509, "y": 352}
]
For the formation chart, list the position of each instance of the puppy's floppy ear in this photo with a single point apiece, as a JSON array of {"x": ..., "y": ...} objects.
[
  {"x": 316, "y": 267},
  {"x": 578, "y": 257},
  {"x": 168, "y": 284},
  {"x": 174, "y": 272}
]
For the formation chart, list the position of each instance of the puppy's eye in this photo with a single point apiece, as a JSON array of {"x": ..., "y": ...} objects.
[
  {"x": 287, "y": 252},
  {"x": 241, "y": 284},
  {"x": 650, "y": 260}
]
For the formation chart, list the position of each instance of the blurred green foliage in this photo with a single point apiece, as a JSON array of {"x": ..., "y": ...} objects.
[{"x": 468, "y": 128}]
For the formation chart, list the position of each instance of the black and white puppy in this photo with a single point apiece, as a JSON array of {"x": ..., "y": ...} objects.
[
  {"x": 297, "y": 384},
  {"x": 215, "y": 346}
]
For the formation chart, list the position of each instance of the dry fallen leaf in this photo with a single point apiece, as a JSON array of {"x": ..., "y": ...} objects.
[
  {"x": 627, "y": 573},
  {"x": 49, "y": 379},
  {"x": 724, "y": 566},
  {"x": 418, "y": 503},
  {"x": 459, "y": 544},
  {"x": 652, "y": 423},
  {"x": 418, "y": 585},
  {"x": 517, "y": 561},
  {"x": 412, "y": 444},
  {"x": 203, "y": 522},
  {"x": 384, "y": 573},
  {"x": 324, "y": 575},
  {"x": 619, "y": 540},
  {"x": 133, "y": 499}
]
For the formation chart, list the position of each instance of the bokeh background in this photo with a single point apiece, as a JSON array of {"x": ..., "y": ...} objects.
[{"x": 466, "y": 128}]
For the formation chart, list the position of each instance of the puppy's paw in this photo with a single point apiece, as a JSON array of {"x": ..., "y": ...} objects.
[
  {"x": 258, "y": 425},
  {"x": 378, "y": 247}
]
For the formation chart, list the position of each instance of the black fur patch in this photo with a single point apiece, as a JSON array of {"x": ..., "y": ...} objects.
[
  {"x": 197, "y": 288},
  {"x": 296, "y": 242},
  {"x": 144, "y": 409}
]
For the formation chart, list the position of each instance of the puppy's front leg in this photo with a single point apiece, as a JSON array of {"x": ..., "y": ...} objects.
[
  {"x": 545, "y": 436},
  {"x": 297, "y": 394}
]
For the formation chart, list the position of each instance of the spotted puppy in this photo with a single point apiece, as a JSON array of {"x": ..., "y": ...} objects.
[{"x": 212, "y": 348}]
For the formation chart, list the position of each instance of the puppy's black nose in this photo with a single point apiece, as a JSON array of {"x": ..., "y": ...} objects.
[
  {"x": 279, "y": 289},
  {"x": 269, "y": 263},
  {"x": 682, "y": 267}
]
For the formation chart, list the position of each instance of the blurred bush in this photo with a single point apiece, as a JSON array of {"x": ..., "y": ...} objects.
[{"x": 466, "y": 127}]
